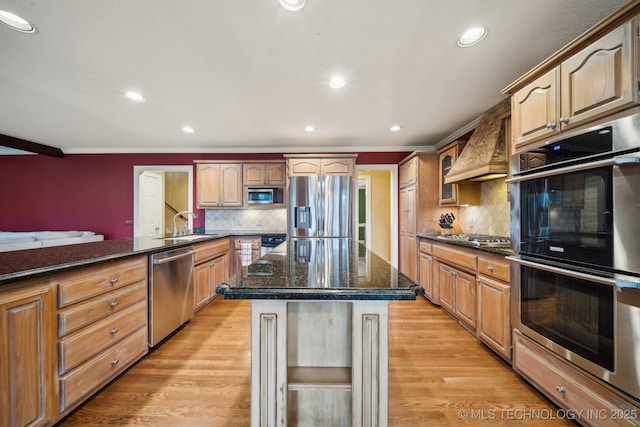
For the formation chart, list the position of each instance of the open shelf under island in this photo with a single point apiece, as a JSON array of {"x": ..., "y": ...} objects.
[{"x": 319, "y": 332}]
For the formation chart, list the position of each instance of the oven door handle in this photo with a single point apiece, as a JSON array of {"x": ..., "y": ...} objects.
[
  {"x": 620, "y": 284},
  {"x": 631, "y": 159}
]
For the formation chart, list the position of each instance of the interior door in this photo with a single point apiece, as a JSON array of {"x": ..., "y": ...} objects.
[{"x": 151, "y": 204}]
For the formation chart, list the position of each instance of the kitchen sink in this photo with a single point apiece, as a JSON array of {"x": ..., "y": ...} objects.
[{"x": 188, "y": 237}]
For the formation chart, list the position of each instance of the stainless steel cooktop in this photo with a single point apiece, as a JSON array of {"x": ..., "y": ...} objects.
[{"x": 477, "y": 240}]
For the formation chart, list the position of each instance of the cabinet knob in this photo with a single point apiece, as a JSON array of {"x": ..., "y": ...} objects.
[
  {"x": 560, "y": 389},
  {"x": 565, "y": 120},
  {"x": 551, "y": 125},
  {"x": 490, "y": 268},
  {"x": 113, "y": 281},
  {"x": 114, "y": 331},
  {"x": 113, "y": 304},
  {"x": 114, "y": 362}
]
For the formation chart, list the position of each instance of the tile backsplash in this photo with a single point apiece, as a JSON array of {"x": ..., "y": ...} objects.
[
  {"x": 492, "y": 215},
  {"x": 246, "y": 219}
]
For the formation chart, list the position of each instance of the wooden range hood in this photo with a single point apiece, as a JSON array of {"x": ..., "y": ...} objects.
[{"x": 485, "y": 155}]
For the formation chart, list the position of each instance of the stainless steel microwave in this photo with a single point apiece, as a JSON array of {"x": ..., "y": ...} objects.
[{"x": 260, "y": 196}]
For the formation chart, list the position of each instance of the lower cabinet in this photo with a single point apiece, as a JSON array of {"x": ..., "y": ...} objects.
[
  {"x": 27, "y": 356},
  {"x": 472, "y": 285},
  {"x": 458, "y": 293},
  {"x": 102, "y": 326},
  {"x": 211, "y": 268},
  {"x": 570, "y": 388}
]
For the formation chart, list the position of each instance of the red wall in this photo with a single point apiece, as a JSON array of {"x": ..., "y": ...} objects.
[{"x": 95, "y": 191}]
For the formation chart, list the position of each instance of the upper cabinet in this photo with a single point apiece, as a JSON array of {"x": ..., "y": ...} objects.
[
  {"x": 301, "y": 165},
  {"x": 589, "y": 79},
  {"x": 219, "y": 185},
  {"x": 454, "y": 194},
  {"x": 261, "y": 174}
]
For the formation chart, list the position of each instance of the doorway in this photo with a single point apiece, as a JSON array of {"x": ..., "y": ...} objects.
[
  {"x": 378, "y": 185},
  {"x": 159, "y": 193}
]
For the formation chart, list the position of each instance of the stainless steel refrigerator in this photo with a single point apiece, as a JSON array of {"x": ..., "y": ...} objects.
[{"x": 320, "y": 206}]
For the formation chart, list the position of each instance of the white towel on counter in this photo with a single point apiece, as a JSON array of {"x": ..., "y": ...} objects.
[{"x": 245, "y": 254}]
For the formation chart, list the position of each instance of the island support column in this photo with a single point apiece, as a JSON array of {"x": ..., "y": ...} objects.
[{"x": 351, "y": 393}]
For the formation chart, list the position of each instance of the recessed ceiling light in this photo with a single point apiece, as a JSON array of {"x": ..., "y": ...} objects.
[
  {"x": 337, "y": 82},
  {"x": 309, "y": 128},
  {"x": 395, "y": 128},
  {"x": 292, "y": 5},
  {"x": 15, "y": 22},
  {"x": 188, "y": 129},
  {"x": 135, "y": 96},
  {"x": 472, "y": 36}
]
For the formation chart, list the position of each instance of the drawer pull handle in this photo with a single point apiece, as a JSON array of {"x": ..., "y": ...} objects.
[
  {"x": 114, "y": 331},
  {"x": 113, "y": 281},
  {"x": 561, "y": 389},
  {"x": 490, "y": 268},
  {"x": 114, "y": 362},
  {"x": 113, "y": 304}
]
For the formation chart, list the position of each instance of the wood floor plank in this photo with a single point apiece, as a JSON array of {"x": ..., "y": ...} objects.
[{"x": 438, "y": 375}]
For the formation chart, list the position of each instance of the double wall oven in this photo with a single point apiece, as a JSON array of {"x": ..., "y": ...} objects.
[{"x": 576, "y": 233}]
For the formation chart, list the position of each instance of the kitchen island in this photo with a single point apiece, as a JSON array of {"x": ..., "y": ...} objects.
[{"x": 319, "y": 332}]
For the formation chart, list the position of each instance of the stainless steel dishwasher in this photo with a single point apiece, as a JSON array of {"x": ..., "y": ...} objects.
[{"x": 171, "y": 300}]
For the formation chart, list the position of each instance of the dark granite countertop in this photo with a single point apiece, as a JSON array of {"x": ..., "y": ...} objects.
[
  {"x": 30, "y": 263},
  {"x": 496, "y": 251},
  {"x": 320, "y": 269}
]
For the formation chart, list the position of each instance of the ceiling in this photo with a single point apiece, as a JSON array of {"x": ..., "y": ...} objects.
[{"x": 249, "y": 75}]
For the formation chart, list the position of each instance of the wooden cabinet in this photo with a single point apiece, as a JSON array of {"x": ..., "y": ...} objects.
[
  {"x": 239, "y": 259},
  {"x": 457, "y": 293},
  {"x": 494, "y": 304},
  {"x": 211, "y": 267},
  {"x": 102, "y": 326},
  {"x": 425, "y": 270},
  {"x": 219, "y": 185},
  {"x": 418, "y": 196},
  {"x": 598, "y": 80},
  {"x": 570, "y": 388},
  {"x": 264, "y": 174},
  {"x": 320, "y": 165},
  {"x": 454, "y": 194},
  {"x": 28, "y": 357}
]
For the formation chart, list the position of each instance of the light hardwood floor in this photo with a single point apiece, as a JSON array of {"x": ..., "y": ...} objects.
[{"x": 438, "y": 373}]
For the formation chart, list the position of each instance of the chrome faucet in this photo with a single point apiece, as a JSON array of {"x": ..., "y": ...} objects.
[{"x": 175, "y": 227}]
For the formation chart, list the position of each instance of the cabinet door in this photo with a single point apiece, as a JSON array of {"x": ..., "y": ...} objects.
[
  {"x": 446, "y": 286},
  {"x": 448, "y": 192},
  {"x": 255, "y": 174},
  {"x": 208, "y": 181},
  {"x": 231, "y": 181},
  {"x": 409, "y": 172},
  {"x": 465, "y": 298},
  {"x": 275, "y": 174},
  {"x": 304, "y": 166},
  {"x": 494, "y": 325},
  {"x": 336, "y": 167},
  {"x": 220, "y": 272},
  {"x": 600, "y": 79},
  {"x": 426, "y": 278},
  {"x": 534, "y": 109},
  {"x": 412, "y": 257},
  {"x": 28, "y": 356},
  {"x": 202, "y": 278}
]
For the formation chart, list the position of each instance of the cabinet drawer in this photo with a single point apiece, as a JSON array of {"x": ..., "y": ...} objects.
[
  {"x": 92, "y": 281},
  {"x": 568, "y": 387},
  {"x": 88, "y": 312},
  {"x": 494, "y": 267},
  {"x": 105, "y": 366},
  {"x": 425, "y": 247},
  {"x": 86, "y": 343},
  {"x": 212, "y": 249},
  {"x": 455, "y": 257}
]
